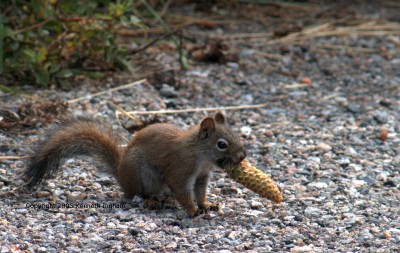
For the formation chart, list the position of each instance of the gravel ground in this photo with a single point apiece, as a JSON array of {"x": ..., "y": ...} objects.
[{"x": 328, "y": 136}]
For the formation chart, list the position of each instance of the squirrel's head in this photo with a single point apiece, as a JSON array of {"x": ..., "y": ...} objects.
[{"x": 224, "y": 145}]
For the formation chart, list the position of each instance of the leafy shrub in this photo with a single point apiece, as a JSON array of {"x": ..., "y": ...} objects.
[{"x": 47, "y": 41}]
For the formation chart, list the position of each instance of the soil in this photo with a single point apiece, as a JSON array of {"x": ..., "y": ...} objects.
[{"x": 326, "y": 81}]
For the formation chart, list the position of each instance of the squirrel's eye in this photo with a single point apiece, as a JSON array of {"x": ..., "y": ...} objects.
[{"x": 222, "y": 144}]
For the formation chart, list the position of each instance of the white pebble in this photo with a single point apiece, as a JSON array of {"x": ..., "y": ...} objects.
[{"x": 324, "y": 147}]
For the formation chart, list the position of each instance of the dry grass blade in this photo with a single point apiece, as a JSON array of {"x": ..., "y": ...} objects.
[
  {"x": 371, "y": 28},
  {"x": 107, "y": 91},
  {"x": 240, "y": 36},
  {"x": 295, "y": 85},
  {"x": 205, "y": 109},
  {"x": 12, "y": 157},
  {"x": 119, "y": 109}
]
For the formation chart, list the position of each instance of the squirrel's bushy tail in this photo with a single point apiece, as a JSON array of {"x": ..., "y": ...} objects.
[{"x": 70, "y": 137}]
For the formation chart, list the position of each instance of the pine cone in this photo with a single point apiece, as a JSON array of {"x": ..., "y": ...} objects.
[{"x": 255, "y": 180}]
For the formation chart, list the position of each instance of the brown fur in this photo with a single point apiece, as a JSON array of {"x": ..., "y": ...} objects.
[{"x": 160, "y": 157}]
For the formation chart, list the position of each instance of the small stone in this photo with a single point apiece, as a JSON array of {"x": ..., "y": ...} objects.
[
  {"x": 367, "y": 163},
  {"x": 380, "y": 116},
  {"x": 96, "y": 186},
  {"x": 396, "y": 161},
  {"x": 246, "y": 53},
  {"x": 90, "y": 219},
  {"x": 111, "y": 225},
  {"x": 76, "y": 196},
  {"x": 357, "y": 183},
  {"x": 256, "y": 204},
  {"x": 324, "y": 147},
  {"x": 233, "y": 65},
  {"x": 302, "y": 249},
  {"x": 387, "y": 235},
  {"x": 134, "y": 232},
  {"x": 42, "y": 194},
  {"x": 253, "y": 213},
  {"x": 42, "y": 249},
  {"x": 354, "y": 108},
  {"x": 312, "y": 211},
  {"x": 329, "y": 205},
  {"x": 168, "y": 91},
  {"x": 350, "y": 152},
  {"x": 171, "y": 245},
  {"x": 51, "y": 185},
  {"x": 4, "y": 222},
  {"x": 245, "y": 130},
  {"x": 327, "y": 157},
  {"x": 74, "y": 239},
  {"x": 344, "y": 161},
  {"x": 22, "y": 211},
  {"x": 318, "y": 185}
]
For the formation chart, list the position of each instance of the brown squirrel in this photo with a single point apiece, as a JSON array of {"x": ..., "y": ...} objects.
[{"x": 158, "y": 158}]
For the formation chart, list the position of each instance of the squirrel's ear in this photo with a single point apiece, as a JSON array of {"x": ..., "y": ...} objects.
[
  {"x": 207, "y": 126},
  {"x": 220, "y": 118}
]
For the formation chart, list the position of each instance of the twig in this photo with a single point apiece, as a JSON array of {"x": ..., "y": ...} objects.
[
  {"x": 295, "y": 85},
  {"x": 241, "y": 36},
  {"x": 184, "y": 22},
  {"x": 12, "y": 157},
  {"x": 165, "y": 8},
  {"x": 119, "y": 109},
  {"x": 364, "y": 29},
  {"x": 38, "y": 25},
  {"x": 329, "y": 97},
  {"x": 348, "y": 48},
  {"x": 149, "y": 44},
  {"x": 209, "y": 109},
  {"x": 106, "y": 91}
]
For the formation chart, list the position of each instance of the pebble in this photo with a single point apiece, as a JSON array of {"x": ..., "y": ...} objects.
[
  {"x": 168, "y": 91},
  {"x": 380, "y": 116},
  {"x": 312, "y": 211},
  {"x": 246, "y": 131},
  {"x": 42, "y": 194},
  {"x": 302, "y": 249},
  {"x": 354, "y": 108},
  {"x": 256, "y": 204},
  {"x": 233, "y": 65},
  {"x": 318, "y": 185},
  {"x": 324, "y": 147},
  {"x": 357, "y": 183},
  {"x": 387, "y": 235},
  {"x": 76, "y": 196},
  {"x": 350, "y": 152},
  {"x": 343, "y": 161},
  {"x": 172, "y": 245}
]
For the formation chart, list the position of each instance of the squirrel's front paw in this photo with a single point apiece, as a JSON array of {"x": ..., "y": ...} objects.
[
  {"x": 206, "y": 207},
  {"x": 152, "y": 203},
  {"x": 193, "y": 212}
]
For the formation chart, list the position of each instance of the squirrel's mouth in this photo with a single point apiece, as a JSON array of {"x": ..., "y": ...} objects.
[{"x": 223, "y": 161}]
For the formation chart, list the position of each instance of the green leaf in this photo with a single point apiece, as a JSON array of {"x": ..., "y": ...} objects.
[
  {"x": 30, "y": 53},
  {"x": 42, "y": 76},
  {"x": 65, "y": 73}
]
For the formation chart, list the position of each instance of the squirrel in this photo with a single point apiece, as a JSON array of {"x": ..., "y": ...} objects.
[{"x": 160, "y": 157}]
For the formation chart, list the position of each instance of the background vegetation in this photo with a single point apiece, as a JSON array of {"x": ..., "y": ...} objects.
[{"x": 45, "y": 42}]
